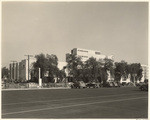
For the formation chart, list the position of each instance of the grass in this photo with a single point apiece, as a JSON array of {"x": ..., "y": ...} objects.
[{"x": 75, "y": 103}]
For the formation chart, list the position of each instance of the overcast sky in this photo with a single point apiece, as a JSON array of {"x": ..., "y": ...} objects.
[{"x": 114, "y": 28}]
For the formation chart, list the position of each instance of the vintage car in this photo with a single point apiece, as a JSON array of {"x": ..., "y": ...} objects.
[
  {"x": 116, "y": 84},
  {"x": 78, "y": 84},
  {"x": 92, "y": 85},
  {"x": 108, "y": 84}
]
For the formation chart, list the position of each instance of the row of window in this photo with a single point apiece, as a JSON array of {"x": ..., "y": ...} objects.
[
  {"x": 85, "y": 56},
  {"x": 83, "y": 51},
  {"x": 98, "y": 53}
]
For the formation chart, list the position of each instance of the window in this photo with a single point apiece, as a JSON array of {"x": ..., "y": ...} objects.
[
  {"x": 83, "y": 51},
  {"x": 98, "y": 53},
  {"x": 85, "y": 56}
]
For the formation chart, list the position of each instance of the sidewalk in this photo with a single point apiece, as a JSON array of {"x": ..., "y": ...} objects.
[{"x": 34, "y": 88}]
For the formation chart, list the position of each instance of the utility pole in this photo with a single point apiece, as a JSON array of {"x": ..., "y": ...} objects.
[
  {"x": 13, "y": 74},
  {"x": 29, "y": 64}
]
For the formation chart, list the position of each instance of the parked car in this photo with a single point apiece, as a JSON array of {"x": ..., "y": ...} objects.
[
  {"x": 130, "y": 84},
  {"x": 82, "y": 84},
  {"x": 116, "y": 84},
  {"x": 139, "y": 84},
  {"x": 108, "y": 84},
  {"x": 144, "y": 87},
  {"x": 123, "y": 83},
  {"x": 111, "y": 84},
  {"x": 69, "y": 84},
  {"x": 92, "y": 85},
  {"x": 78, "y": 84},
  {"x": 75, "y": 85}
]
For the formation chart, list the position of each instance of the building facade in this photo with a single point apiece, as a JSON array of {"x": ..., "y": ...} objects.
[
  {"x": 19, "y": 70},
  {"x": 14, "y": 71},
  {"x": 86, "y": 54},
  {"x": 24, "y": 71}
]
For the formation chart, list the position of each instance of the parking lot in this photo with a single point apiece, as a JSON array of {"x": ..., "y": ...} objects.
[{"x": 124, "y": 102}]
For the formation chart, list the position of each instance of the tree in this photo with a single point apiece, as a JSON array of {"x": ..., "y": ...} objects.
[
  {"x": 52, "y": 62},
  {"x": 48, "y": 64},
  {"x": 5, "y": 72},
  {"x": 61, "y": 74},
  {"x": 135, "y": 70},
  {"x": 121, "y": 70},
  {"x": 92, "y": 69},
  {"x": 108, "y": 68},
  {"x": 74, "y": 66},
  {"x": 103, "y": 75}
]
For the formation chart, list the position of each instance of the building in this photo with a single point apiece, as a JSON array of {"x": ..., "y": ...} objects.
[
  {"x": 61, "y": 65},
  {"x": 19, "y": 70},
  {"x": 23, "y": 69},
  {"x": 86, "y": 54},
  {"x": 145, "y": 72},
  {"x": 14, "y": 71}
]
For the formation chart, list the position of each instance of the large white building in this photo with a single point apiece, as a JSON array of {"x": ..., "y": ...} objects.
[{"x": 86, "y": 54}]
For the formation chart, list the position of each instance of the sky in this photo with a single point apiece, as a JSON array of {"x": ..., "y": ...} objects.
[{"x": 114, "y": 28}]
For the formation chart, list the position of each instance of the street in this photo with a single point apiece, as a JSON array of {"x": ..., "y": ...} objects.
[{"x": 124, "y": 102}]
